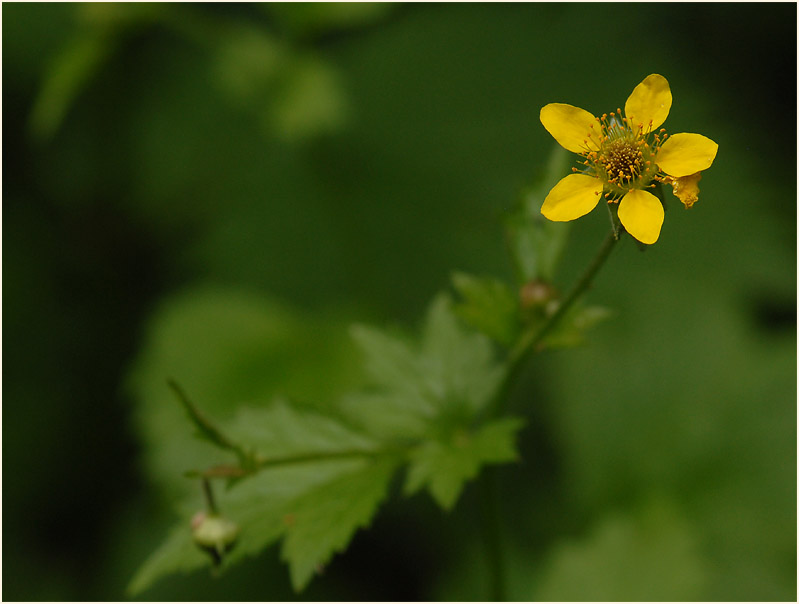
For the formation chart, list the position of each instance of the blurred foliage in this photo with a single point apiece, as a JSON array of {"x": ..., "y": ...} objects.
[
  {"x": 312, "y": 476},
  {"x": 214, "y": 192}
]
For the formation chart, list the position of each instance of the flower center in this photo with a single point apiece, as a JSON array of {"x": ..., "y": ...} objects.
[
  {"x": 621, "y": 160},
  {"x": 625, "y": 155}
]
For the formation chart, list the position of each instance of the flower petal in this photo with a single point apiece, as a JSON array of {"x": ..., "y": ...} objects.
[
  {"x": 650, "y": 100},
  {"x": 641, "y": 214},
  {"x": 684, "y": 154},
  {"x": 686, "y": 188},
  {"x": 572, "y": 127},
  {"x": 574, "y": 196}
]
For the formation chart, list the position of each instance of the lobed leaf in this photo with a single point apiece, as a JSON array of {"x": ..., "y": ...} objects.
[
  {"x": 315, "y": 506},
  {"x": 444, "y": 466},
  {"x": 458, "y": 365},
  {"x": 417, "y": 390},
  {"x": 320, "y": 474}
]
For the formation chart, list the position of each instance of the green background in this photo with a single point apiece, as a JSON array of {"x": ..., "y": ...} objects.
[{"x": 215, "y": 192}]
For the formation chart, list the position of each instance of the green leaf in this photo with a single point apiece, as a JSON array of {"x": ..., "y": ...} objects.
[
  {"x": 319, "y": 482},
  {"x": 570, "y": 330},
  {"x": 104, "y": 26},
  {"x": 70, "y": 72},
  {"x": 320, "y": 473},
  {"x": 281, "y": 430},
  {"x": 258, "y": 505},
  {"x": 536, "y": 244},
  {"x": 488, "y": 305},
  {"x": 323, "y": 521},
  {"x": 177, "y": 554},
  {"x": 227, "y": 347},
  {"x": 458, "y": 365},
  {"x": 205, "y": 428},
  {"x": 444, "y": 466},
  {"x": 415, "y": 390}
]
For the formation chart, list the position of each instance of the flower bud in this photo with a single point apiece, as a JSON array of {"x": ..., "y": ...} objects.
[
  {"x": 536, "y": 295},
  {"x": 214, "y": 534}
]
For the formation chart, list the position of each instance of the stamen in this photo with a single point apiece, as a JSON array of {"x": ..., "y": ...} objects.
[{"x": 622, "y": 155}]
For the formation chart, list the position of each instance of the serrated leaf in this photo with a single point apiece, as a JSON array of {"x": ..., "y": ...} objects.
[
  {"x": 488, "y": 305},
  {"x": 323, "y": 521},
  {"x": 459, "y": 365},
  {"x": 177, "y": 554},
  {"x": 321, "y": 475},
  {"x": 450, "y": 375},
  {"x": 444, "y": 466},
  {"x": 257, "y": 504},
  {"x": 319, "y": 481}
]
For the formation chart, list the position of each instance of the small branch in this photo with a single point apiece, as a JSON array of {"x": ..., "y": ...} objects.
[
  {"x": 251, "y": 462},
  {"x": 209, "y": 497},
  {"x": 261, "y": 463},
  {"x": 530, "y": 342},
  {"x": 258, "y": 463},
  {"x": 207, "y": 429}
]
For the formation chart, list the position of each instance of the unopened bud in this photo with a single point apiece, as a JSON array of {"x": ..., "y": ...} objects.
[
  {"x": 215, "y": 534},
  {"x": 536, "y": 295}
]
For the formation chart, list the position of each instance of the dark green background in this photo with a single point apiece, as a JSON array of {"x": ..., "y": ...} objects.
[{"x": 345, "y": 177}]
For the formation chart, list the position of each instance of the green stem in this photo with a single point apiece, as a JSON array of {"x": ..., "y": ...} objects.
[
  {"x": 205, "y": 427},
  {"x": 261, "y": 464},
  {"x": 209, "y": 497},
  {"x": 530, "y": 342},
  {"x": 257, "y": 463},
  {"x": 491, "y": 517}
]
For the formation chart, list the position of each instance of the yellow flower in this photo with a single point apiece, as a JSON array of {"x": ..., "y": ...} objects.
[{"x": 623, "y": 155}]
